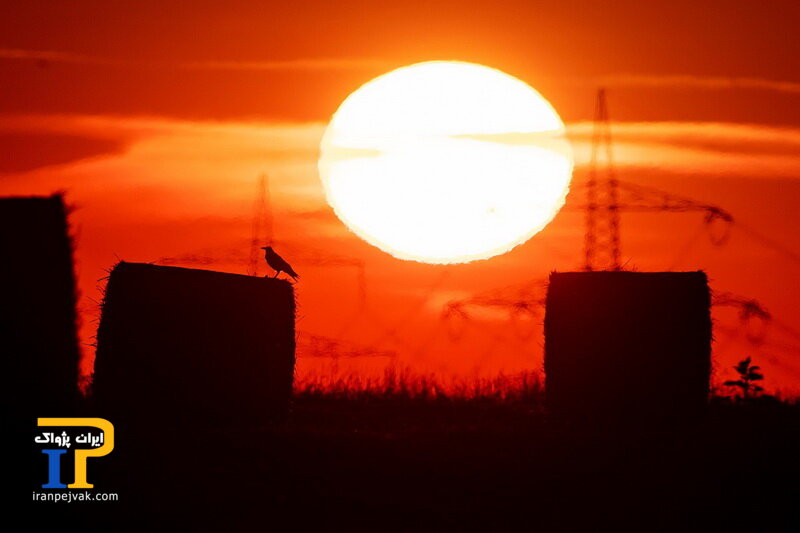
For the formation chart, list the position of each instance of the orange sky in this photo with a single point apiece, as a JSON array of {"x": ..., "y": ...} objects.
[{"x": 157, "y": 120}]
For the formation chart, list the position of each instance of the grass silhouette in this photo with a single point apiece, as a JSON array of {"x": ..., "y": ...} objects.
[
  {"x": 405, "y": 384},
  {"x": 414, "y": 452}
]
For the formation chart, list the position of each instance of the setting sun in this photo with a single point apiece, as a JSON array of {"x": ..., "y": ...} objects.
[{"x": 445, "y": 162}]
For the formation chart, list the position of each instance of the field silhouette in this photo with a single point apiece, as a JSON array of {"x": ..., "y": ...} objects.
[{"x": 396, "y": 458}]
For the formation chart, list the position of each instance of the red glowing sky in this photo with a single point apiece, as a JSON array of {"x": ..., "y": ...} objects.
[{"x": 157, "y": 119}]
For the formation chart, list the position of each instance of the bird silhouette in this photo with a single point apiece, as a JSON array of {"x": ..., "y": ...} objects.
[{"x": 278, "y": 263}]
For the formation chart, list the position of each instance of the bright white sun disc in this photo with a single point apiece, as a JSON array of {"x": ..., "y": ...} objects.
[{"x": 445, "y": 162}]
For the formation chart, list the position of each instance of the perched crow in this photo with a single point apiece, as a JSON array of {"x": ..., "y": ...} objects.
[{"x": 277, "y": 263}]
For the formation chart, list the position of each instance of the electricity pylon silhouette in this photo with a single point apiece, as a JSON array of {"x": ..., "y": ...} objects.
[{"x": 601, "y": 246}]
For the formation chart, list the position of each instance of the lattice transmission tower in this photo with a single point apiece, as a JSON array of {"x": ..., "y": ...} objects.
[
  {"x": 607, "y": 197},
  {"x": 601, "y": 242}
]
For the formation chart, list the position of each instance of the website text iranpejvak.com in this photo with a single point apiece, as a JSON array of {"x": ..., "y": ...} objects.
[{"x": 73, "y": 496}]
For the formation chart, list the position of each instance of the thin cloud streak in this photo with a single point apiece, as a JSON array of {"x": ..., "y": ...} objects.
[
  {"x": 715, "y": 83},
  {"x": 302, "y": 64},
  {"x": 710, "y": 148},
  {"x": 711, "y": 136},
  {"x": 320, "y": 64},
  {"x": 51, "y": 55},
  {"x": 247, "y": 148}
]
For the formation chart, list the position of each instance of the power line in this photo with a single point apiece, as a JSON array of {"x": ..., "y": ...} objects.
[{"x": 768, "y": 242}]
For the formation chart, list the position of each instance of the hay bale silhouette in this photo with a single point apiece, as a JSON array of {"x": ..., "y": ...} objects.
[
  {"x": 181, "y": 346},
  {"x": 627, "y": 347},
  {"x": 37, "y": 310}
]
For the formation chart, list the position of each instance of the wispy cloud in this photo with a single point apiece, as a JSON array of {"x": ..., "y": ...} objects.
[
  {"x": 707, "y": 148},
  {"x": 710, "y": 148},
  {"x": 302, "y": 64},
  {"x": 248, "y": 148},
  {"x": 290, "y": 64},
  {"x": 55, "y": 56},
  {"x": 715, "y": 83},
  {"x": 752, "y": 139}
]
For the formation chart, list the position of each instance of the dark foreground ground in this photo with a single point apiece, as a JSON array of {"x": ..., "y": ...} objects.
[{"x": 383, "y": 464}]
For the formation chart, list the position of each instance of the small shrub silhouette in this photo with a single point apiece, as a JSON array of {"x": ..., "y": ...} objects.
[{"x": 748, "y": 373}]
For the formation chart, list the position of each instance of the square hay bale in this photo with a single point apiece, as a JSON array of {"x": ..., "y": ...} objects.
[
  {"x": 627, "y": 347},
  {"x": 179, "y": 346},
  {"x": 37, "y": 309}
]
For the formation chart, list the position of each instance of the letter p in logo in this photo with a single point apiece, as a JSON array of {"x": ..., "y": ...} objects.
[{"x": 54, "y": 456}]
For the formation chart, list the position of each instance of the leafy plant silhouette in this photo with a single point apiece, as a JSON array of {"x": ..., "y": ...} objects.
[{"x": 748, "y": 373}]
